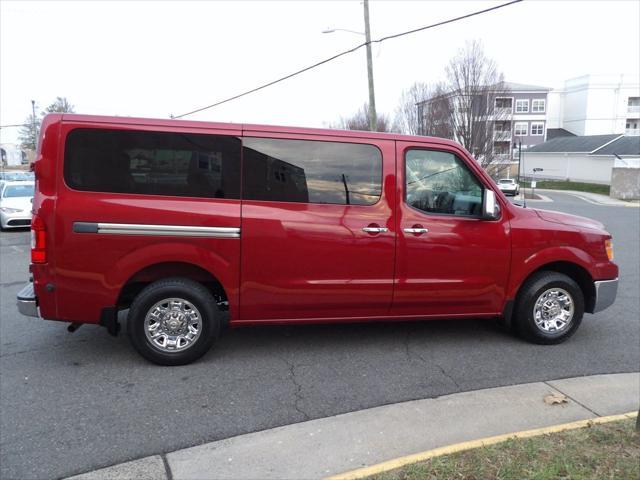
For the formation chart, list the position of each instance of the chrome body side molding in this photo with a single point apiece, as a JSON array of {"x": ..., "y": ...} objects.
[{"x": 155, "y": 230}]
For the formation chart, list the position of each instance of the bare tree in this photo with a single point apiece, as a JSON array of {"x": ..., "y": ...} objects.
[
  {"x": 470, "y": 106},
  {"x": 28, "y": 134},
  {"x": 408, "y": 116},
  {"x": 360, "y": 121},
  {"x": 435, "y": 114}
]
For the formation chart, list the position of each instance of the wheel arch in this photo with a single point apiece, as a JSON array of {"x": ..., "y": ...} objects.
[
  {"x": 573, "y": 270},
  {"x": 161, "y": 270},
  {"x": 175, "y": 259}
]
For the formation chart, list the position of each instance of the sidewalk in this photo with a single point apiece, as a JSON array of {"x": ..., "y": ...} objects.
[
  {"x": 594, "y": 198},
  {"x": 328, "y": 446}
]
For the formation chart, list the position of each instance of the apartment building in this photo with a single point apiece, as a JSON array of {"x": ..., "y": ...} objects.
[
  {"x": 519, "y": 117},
  {"x": 514, "y": 113},
  {"x": 596, "y": 105}
]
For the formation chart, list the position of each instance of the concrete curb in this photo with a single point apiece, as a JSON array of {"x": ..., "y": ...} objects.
[
  {"x": 481, "y": 442},
  {"x": 329, "y": 446},
  {"x": 542, "y": 199}
]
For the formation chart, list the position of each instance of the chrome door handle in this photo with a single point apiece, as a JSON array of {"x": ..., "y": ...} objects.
[
  {"x": 375, "y": 229},
  {"x": 415, "y": 230}
]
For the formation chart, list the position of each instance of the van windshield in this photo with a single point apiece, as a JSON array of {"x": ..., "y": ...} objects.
[{"x": 13, "y": 191}]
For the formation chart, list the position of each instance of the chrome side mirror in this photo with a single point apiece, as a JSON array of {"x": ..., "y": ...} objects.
[{"x": 490, "y": 206}]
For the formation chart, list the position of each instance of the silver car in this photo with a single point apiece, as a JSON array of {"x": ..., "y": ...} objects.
[
  {"x": 508, "y": 186},
  {"x": 16, "y": 198}
]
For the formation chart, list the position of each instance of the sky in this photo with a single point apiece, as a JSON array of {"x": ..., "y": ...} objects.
[{"x": 161, "y": 58}]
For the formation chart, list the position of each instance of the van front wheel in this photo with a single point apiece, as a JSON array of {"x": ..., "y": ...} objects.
[
  {"x": 173, "y": 321},
  {"x": 549, "y": 308}
]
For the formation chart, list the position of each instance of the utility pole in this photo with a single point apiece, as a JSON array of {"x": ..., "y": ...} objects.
[
  {"x": 373, "y": 119},
  {"x": 35, "y": 130}
]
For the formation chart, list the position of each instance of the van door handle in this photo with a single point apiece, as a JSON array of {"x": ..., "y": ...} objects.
[
  {"x": 416, "y": 230},
  {"x": 374, "y": 228}
]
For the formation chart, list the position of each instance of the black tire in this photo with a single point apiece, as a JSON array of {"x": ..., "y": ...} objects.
[
  {"x": 530, "y": 291},
  {"x": 181, "y": 288}
]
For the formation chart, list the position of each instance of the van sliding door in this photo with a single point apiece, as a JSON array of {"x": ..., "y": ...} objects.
[{"x": 318, "y": 233}]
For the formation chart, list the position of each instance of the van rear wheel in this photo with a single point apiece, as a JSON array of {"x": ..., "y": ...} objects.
[
  {"x": 549, "y": 308},
  {"x": 173, "y": 321}
]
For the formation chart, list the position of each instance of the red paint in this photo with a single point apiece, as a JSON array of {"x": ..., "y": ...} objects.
[{"x": 299, "y": 262}]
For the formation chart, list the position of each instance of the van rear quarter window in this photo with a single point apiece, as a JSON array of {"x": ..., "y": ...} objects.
[
  {"x": 310, "y": 171},
  {"x": 153, "y": 163}
]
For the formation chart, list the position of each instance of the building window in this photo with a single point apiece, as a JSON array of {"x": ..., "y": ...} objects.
[
  {"x": 537, "y": 106},
  {"x": 521, "y": 129},
  {"x": 633, "y": 105},
  {"x": 503, "y": 103},
  {"x": 537, "y": 128},
  {"x": 522, "y": 106}
]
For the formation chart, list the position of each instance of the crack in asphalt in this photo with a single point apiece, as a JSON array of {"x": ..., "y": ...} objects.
[
  {"x": 298, "y": 388},
  {"x": 412, "y": 353}
]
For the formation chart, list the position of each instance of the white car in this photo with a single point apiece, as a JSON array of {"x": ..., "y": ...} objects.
[
  {"x": 16, "y": 198},
  {"x": 508, "y": 186}
]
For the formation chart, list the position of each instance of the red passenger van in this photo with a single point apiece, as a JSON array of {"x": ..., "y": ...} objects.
[{"x": 187, "y": 224}]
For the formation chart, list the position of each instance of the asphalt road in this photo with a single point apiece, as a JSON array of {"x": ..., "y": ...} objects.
[{"x": 70, "y": 403}]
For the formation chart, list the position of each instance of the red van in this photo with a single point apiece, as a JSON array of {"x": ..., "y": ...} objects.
[{"x": 191, "y": 226}]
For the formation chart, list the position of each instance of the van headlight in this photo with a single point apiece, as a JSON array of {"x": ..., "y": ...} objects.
[{"x": 9, "y": 210}]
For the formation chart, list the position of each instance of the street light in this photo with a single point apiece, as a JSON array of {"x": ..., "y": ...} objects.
[
  {"x": 373, "y": 119},
  {"x": 35, "y": 129},
  {"x": 332, "y": 30},
  {"x": 519, "y": 147}
]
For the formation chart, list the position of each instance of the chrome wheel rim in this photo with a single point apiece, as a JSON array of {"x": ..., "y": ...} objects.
[
  {"x": 173, "y": 325},
  {"x": 553, "y": 310}
]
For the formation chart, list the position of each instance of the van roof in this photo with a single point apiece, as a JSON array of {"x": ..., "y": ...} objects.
[{"x": 72, "y": 117}]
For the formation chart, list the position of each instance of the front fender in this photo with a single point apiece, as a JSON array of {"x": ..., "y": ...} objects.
[{"x": 526, "y": 264}]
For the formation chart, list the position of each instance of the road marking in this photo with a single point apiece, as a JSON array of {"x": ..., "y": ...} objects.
[{"x": 482, "y": 442}]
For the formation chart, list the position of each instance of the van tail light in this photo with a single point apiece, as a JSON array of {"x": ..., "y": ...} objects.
[{"x": 38, "y": 240}]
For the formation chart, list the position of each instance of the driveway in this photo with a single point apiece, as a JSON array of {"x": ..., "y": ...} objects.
[{"x": 70, "y": 403}]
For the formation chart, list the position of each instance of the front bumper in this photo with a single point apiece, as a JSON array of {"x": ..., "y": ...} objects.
[
  {"x": 27, "y": 301},
  {"x": 15, "y": 220},
  {"x": 606, "y": 291}
]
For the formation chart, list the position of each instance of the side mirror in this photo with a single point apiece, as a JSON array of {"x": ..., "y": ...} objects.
[{"x": 490, "y": 206}]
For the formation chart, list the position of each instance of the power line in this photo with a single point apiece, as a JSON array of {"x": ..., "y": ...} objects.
[
  {"x": 346, "y": 52},
  {"x": 15, "y": 125}
]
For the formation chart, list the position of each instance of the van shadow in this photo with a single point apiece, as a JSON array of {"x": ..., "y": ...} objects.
[
  {"x": 311, "y": 343},
  {"x": 348, "y": 336}
]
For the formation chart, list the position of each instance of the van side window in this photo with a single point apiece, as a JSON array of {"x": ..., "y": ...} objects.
[
  {"x": 153, "y": 163},
  {"x": 439, "y": 182},
  {"x": 311, "y": 171}
]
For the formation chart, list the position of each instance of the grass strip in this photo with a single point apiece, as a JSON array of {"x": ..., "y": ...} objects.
[
  {"x": 606, "y": 451},
  {"x": 566, "y": 185}
]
